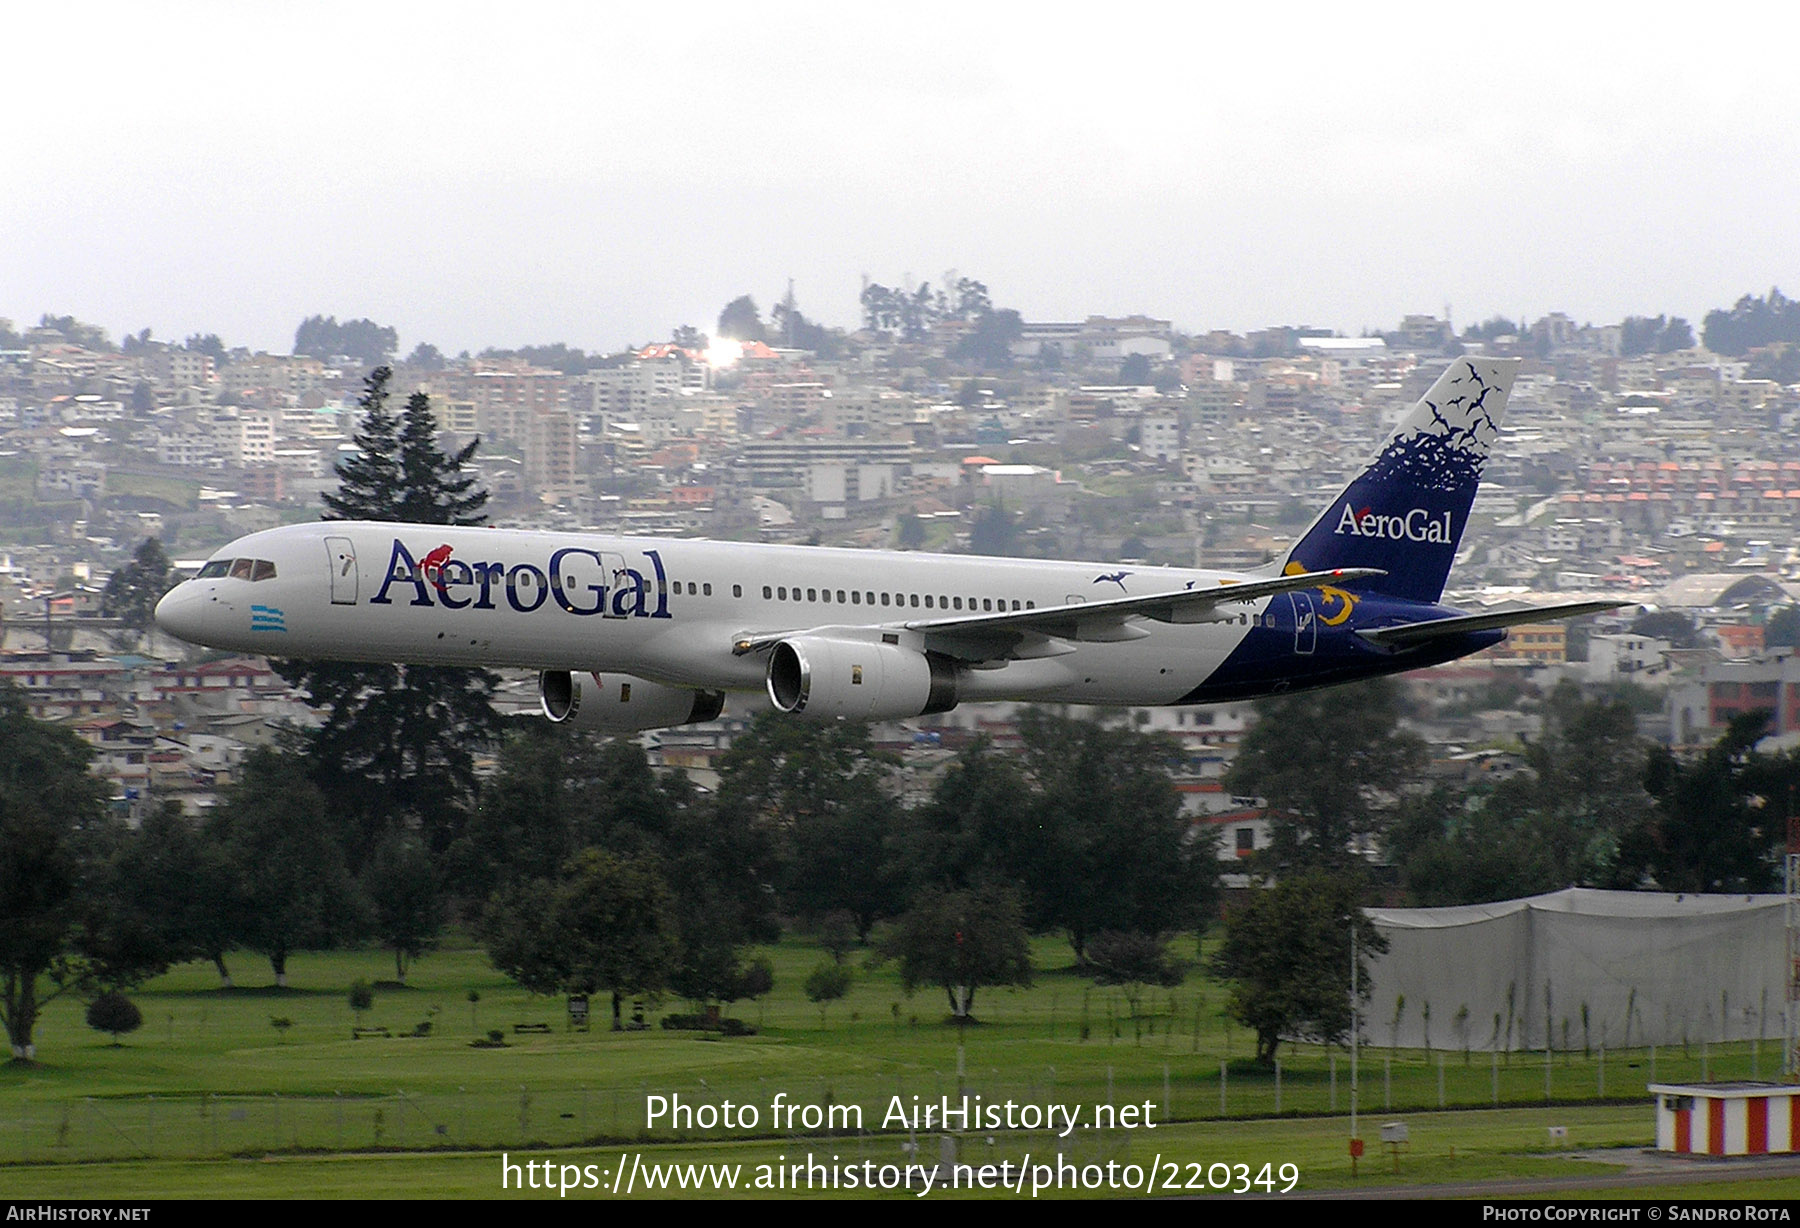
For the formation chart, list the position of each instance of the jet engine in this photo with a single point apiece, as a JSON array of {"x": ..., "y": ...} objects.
[
  {"x": 619, "y": 703},
  {"x": 821, "y": 677}
]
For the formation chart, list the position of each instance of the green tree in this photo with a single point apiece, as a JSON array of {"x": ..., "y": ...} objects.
[
  {"x": 1453, "y": 848},
  {"x": 989, "y": 344},
  {"x": 426, "y": 357},
  {"x": 361, "y": 998},
  {"x": 1671, "y": 625},
  {"x": 1328, "y": 764},
  {"x": 208, "y": 344},
  {"x": 558, "y": 356},
  {"x": 1287, "y": 955},
  {"x": 50, "y": 810},
  {"x": 87, "y": 336},
  {"x": 140, "y": 900},
  {"x": 401, "y": 885},
  {"x": 1497, "y": 326},
  {"x": 1783, "y": 628},
  {"x": 607, "y": 922},
  {"x": 277, "y": 834},
  {"x": 398, "y": 742},
  {"x": 322, "y": 337},
  {"x": 909, "y": 531},
  {"x": 818, "y": 796},
  {"x": 1713, "y": 827},
  {"x": 826, "y": 983},
  {"x": 741, "y": 321},
  {"x": 1584, "y": 792},
  {"x": 370, "y": 485},
  {"x": 1121, "y": 958},
  {"x": 994, "y": 531},
  {"x": 133, "y": 590},
  {"x": 1752, "y": 323},
  {"x": 113, "y": 1012},
  {"x": 1112, "y": 848},
  {"x": 962, "y": 941},
  {"x": 980, "y": 827}
]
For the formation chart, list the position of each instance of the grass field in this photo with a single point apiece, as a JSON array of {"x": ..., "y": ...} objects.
[
  {"x": 209, "y": 1078},
  {"x": 178, "y": 492}
]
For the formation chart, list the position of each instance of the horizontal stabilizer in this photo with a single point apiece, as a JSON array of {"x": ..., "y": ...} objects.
[{"x": 1409, "y": 634}]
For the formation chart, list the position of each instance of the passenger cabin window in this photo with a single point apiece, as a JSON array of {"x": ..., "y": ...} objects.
[{"x": 737, "y": 590}]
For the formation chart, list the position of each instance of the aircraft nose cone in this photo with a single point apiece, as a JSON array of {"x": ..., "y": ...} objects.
[{"x": 178, "y": 613}]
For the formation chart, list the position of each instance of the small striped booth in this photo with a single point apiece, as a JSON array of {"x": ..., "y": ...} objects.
[{"x": 1727, "y": 1119}]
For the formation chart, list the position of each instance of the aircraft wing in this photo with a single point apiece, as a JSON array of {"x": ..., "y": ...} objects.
[
  {"x": 1188, "y": 605},
  {"x": 1409, "y": 634},
  {"x": 979, "y": 637}
]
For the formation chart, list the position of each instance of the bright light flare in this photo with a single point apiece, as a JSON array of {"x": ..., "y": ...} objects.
[{"x": 724, "y": 352}]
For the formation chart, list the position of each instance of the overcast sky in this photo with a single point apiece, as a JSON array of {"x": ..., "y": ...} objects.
[{"x": 507, "y": 174}]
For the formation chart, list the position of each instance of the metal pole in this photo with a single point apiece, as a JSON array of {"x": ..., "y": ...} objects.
[
  {"x": 1790, "y": 1057},
  {"x": 1355, "y": 1040}
]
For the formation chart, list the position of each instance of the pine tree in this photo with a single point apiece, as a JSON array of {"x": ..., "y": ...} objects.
[
  {"x": 397, "y": 745},
  {"x": 434, "y": 489},
  {"x": 370, "y": 483}
]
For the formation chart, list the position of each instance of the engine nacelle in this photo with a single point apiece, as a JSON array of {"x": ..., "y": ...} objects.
[
  {"x": 822, "y": 677},
  {"x": 619, "y": 703}
]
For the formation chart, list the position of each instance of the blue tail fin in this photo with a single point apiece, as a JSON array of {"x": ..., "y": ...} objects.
[{"x": 1406, "y": 512}]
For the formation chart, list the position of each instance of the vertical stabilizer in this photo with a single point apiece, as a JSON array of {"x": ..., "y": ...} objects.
[{"x": 1406, "y": 512}]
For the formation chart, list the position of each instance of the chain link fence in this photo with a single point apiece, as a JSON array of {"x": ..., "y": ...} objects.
[{"x": 886, "y": 1118}]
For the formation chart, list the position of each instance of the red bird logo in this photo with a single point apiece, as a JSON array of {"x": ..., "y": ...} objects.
[{"x": 432, "y": 566}]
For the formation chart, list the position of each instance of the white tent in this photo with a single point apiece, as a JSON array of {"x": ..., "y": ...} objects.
[{"x": 1646, "y": 967}]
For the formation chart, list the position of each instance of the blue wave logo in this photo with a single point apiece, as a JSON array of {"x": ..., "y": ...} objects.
[{"x": 267, "y": 618}]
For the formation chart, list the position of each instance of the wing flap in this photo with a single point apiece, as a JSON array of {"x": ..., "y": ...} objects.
[{"x": 1409, "y": 634}]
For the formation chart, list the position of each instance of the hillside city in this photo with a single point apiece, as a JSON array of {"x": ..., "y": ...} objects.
[{"x": 1635, "y": 463}]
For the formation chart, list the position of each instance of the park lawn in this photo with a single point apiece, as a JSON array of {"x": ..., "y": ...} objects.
[{"x": 208, "y": 1076}]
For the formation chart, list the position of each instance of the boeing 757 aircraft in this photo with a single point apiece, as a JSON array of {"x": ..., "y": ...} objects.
[{"x": 642, "y": 633}]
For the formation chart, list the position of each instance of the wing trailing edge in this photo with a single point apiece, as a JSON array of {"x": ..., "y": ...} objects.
[{"x": 1409, "y": 634}]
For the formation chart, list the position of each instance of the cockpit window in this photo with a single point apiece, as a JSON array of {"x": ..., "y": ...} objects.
[
  {"x": 265, "y": 570},
  {"x": 214, "y": 569},
  {"x": 240, "y": 568}
]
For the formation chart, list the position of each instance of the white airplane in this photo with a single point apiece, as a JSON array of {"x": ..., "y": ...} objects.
[{"x": 644, "y": 633}]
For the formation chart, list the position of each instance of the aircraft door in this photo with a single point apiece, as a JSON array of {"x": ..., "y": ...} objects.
[
  {"x": 342, "y": 556},
  {"x": 1306, "y": 625},
  {"x": 613, "y": 565}
]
